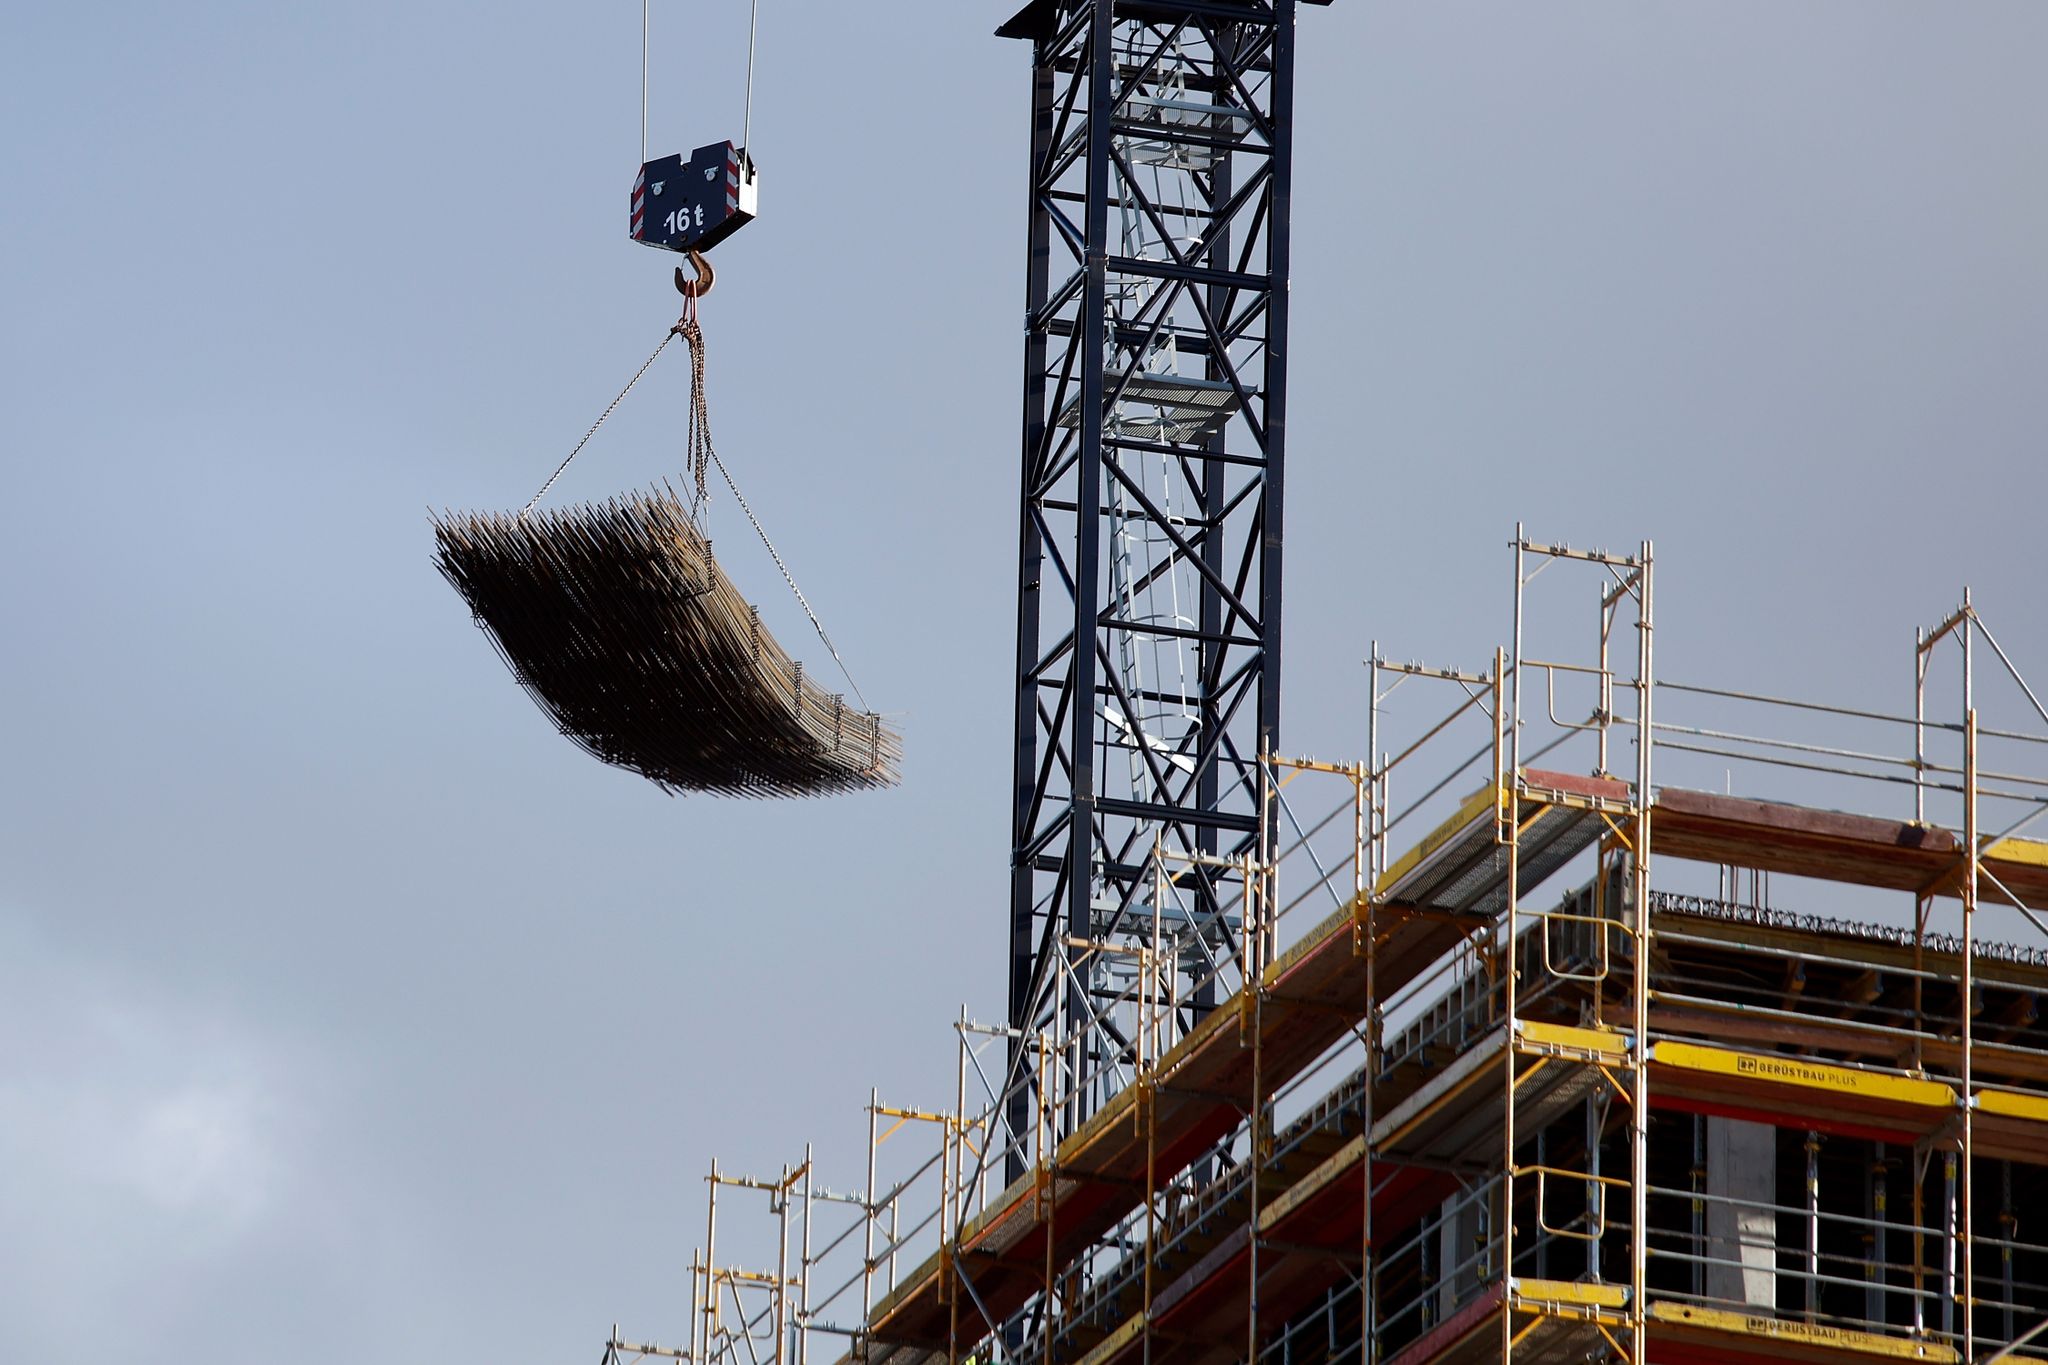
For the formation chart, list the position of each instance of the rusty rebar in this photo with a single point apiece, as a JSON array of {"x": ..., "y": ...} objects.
[{"x": 617, "y": 620}]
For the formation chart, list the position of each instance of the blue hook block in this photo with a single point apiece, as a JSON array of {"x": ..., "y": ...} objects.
[{"x": 693, "y": 205}]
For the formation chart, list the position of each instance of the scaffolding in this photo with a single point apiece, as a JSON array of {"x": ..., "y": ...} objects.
[{"x": 1604, "y": 1066}]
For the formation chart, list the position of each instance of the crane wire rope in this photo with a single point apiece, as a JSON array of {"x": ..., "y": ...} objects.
[
  {"x": 747, "y": 114},
  {"x": 747, "y": 108}
]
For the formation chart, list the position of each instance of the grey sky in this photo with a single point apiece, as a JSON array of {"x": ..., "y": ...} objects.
[{"x": 350, "y": 1014}]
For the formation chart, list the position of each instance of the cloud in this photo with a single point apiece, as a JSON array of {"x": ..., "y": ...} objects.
[
  {"x": 204, "y": 1149},
  {"x": 113, "y": 1099},
  {"x": 153, "y": 1143}
]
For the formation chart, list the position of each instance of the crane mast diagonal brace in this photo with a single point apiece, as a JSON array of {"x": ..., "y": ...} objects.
[{"x": 1153, "y": 441}]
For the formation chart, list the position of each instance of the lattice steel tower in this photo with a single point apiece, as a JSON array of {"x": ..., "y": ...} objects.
[{"x": 1154, "y": 435}]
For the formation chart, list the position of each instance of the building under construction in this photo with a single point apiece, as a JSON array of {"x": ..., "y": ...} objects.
[
  {"x": 1579, "y": 1019},
  {"x": 1617, "y": 1093}
]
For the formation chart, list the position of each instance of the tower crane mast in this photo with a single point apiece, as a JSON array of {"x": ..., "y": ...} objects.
[{"x": 1150, "y": 520}]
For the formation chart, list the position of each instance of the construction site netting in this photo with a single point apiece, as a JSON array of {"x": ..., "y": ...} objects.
[{"x": 616, "y": 618}]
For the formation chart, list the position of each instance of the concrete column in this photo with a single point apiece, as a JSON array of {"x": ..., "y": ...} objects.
[{"x": 1742, "y": 1242}]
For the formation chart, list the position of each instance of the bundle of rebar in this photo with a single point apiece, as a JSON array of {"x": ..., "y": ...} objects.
[{"x": 617, "y": 620}]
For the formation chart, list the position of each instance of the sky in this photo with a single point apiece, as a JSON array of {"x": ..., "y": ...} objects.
[{"x": 349, "y": 1013}]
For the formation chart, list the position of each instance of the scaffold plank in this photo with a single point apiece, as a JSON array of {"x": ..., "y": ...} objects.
[
  {"x": 1456, "y": 1118},
  {"x": 1778, "y": 1089},
  {"x": 2012, "y": 1125},
  {"x": 1730, "y": 1024},
  {"x": 2013, "y": 1104},
  {"x": 1863, "y": 850},
  {"x": 1775, "y": 1069},
  {"x": 1543, "y": 1296},
  {"x": 1461, "y": 865},
  {"x": 1719, "y": 1335}
]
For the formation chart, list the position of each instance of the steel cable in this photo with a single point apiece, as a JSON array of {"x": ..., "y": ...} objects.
[{"x": 543, "y": 491}]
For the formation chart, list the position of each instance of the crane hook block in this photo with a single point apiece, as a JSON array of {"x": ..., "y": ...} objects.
[{"x": 694, "y": 204}]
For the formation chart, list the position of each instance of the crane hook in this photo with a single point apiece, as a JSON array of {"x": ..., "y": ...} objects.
[{"x": 699, "y": 287}]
